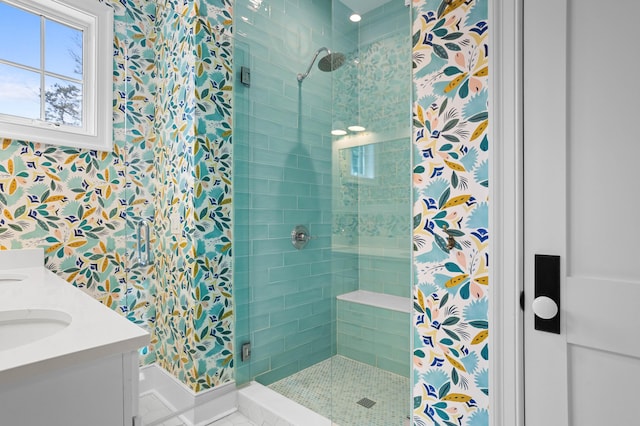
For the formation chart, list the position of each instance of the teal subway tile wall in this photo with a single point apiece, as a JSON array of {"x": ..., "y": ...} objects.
[
  {"x": 374, "y": 335},
  {"x": 286, "y": 153},
  {"x": 282, "y": 171},
  {"x": 372, "y": 194}
]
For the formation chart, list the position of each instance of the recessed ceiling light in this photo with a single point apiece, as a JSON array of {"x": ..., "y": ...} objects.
[
  {"x": 338, "y": 132},
  {"x": 355, "y": 17},
  {"x": 356, "y": 128}
]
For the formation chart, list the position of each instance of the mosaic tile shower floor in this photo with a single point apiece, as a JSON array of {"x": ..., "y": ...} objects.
[{"x": 333, "y": 387}]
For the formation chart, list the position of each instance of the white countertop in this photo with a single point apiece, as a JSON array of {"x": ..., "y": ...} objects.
[{"x": 95, "y": 330}]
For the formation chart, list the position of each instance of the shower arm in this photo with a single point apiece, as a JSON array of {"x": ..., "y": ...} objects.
[{"x": 313, "y": 61}]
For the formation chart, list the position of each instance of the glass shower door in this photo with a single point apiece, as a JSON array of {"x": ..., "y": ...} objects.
[
  {"x": 132, "y": 130},
  {"x": 300, "y": 308},
  {"x": 372, "y": 212},
  {"x": 284, "y": 293}
]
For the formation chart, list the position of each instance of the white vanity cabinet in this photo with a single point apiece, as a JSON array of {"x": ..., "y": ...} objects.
[
  {"x": 101, "y": 392},
  {"x": 65, "y": 359}
]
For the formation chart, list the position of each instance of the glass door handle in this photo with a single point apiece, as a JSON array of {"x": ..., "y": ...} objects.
[{"x": 144, "y": 251}]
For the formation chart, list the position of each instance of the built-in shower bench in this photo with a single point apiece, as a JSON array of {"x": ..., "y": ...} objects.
[{"x": 374, "y": 328}]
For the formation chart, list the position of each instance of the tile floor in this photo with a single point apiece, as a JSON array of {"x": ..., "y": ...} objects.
[
  {"x": 154, "y": 412},
  {"x": 235, "y": 419},
  {"x": 333, "y": 388}
]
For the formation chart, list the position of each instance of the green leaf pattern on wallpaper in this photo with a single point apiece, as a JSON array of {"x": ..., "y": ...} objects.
[
  {"x": 450, "y": 238},
  {"x": 76, "y": 204},
  {"x": 172, "y": 150},
  {"x": 193, "y": 162}
]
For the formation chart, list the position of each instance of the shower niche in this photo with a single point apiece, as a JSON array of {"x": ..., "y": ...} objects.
[{"x": 322, "y": 140}]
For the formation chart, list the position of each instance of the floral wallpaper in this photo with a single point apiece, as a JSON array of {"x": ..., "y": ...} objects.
[
  {"x": 81, "y": 206},
  {"x": 212, "y": 268},
  {"x": 450, "y": 238},
  {"x": 171, "y": 158},
  {"x": 193, "y": 331}
]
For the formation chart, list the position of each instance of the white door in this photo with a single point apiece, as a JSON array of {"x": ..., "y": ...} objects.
[{"x": 582, "y": 203}]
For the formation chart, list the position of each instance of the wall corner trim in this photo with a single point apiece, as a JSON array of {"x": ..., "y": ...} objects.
[{"x": 506, "y": 215}]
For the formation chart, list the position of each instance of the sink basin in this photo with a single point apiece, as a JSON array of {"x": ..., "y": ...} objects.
[
  {"x": 11, "y": 278},
  {"x": 24, "y": 326}
]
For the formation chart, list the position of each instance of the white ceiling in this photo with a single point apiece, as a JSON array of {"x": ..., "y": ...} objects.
[{"x": 363, "y": 6}]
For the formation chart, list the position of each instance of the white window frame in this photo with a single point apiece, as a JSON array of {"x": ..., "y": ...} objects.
[
  {"x": 95, "y": 19},
  {"x": 366, "y": 166}
]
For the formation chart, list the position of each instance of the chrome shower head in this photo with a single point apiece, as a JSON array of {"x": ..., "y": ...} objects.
[{"x": 330, "y": 62}]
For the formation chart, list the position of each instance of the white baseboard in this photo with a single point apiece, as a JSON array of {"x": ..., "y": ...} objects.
[
  {"x": 257, "y": 402},
  {"x": 195, "y": 409}
]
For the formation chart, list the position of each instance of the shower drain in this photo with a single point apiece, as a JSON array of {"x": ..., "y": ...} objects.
[{"x": 366, "y": 403}]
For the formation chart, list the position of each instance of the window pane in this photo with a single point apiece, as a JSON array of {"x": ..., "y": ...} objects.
[
  {"x": 63, "y": 102},
  {"x": 363, "y": 160},
  {"x": 20, "y": 92},
  {"x": 19, "y": 36},
  {"x": 63, "y": 50}
]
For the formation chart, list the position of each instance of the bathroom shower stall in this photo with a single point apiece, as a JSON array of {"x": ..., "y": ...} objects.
[
  {"x": 255, "y": 212},
  {"x": 322, "y": 204}
]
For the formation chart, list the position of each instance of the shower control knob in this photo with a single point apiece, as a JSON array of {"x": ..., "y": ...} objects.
[{"x": 300, "y": 237}]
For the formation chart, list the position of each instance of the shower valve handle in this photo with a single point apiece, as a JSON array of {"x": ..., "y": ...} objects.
[{"x": 300, "y": 237}]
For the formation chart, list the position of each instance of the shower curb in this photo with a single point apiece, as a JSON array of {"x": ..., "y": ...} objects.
[{"x": 267, "y": 407}]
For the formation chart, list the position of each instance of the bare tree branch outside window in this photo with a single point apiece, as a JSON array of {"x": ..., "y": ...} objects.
[{"x": 63, "y": 102}]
